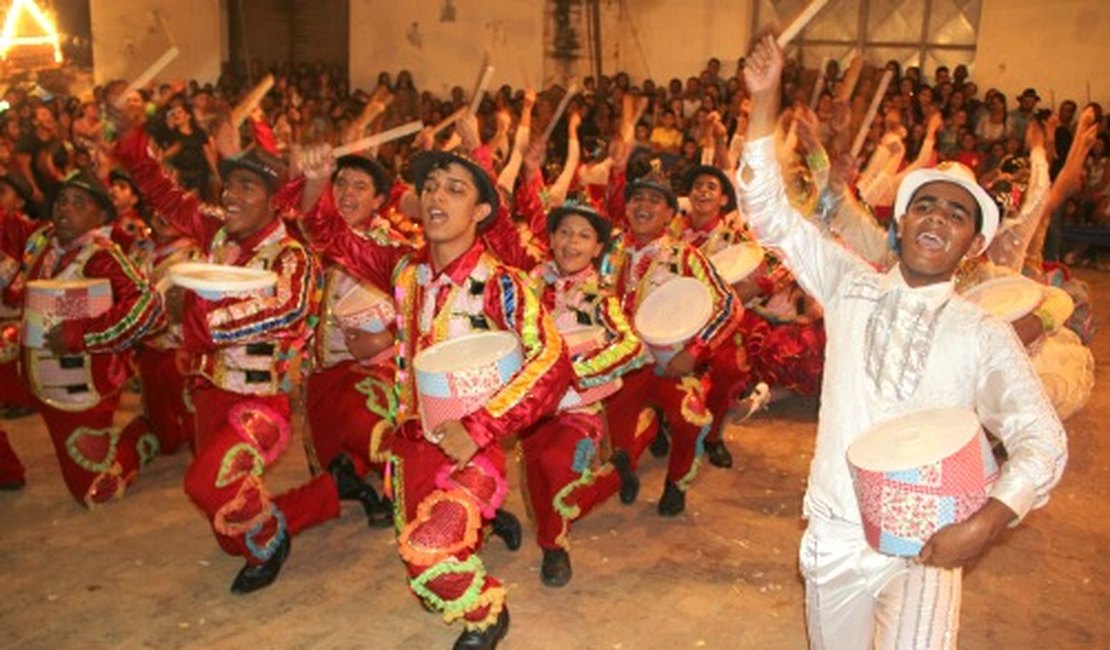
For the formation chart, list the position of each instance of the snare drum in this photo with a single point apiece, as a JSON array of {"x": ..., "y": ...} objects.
[
  {"x": 671, "y": 315},
  {"x": 1009, "y": 298},
  {"x": 457, "y": 377},
  {"x": 918, "y": 473},
  {"x": 51, "y": 302},
  {"x": 366, "y": 309},
  {"x": 219, "y": 281},
  {"x": 735, "y": 263}
]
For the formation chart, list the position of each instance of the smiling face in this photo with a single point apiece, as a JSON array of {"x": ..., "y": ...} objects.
[
  {"x": 450, "y": 211},
  {"x": 936, "y": 232},
  {"x": 246, "y": 203},
  {"x": 355, "y": 195},
  {"x": 648, "y": 214},
  {"x": 574, "y": 244},
  {"x": 75, "y": 213}
]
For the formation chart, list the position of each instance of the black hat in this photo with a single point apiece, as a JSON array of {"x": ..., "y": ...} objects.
[
  {"x": 1030, "y": 92},
  {"x": 654, "y": 180},
  {"x": 21, "y": 187},
  {"x": 600, "y": 224},
  {"x": 382, "y": 179},
  {"x": 120, "y": 175},
  {"x": 425, "y": 162},
  {"x": 257, "y": 161},
  {"x": 87, "y": 181},
  {"x": 709, "y": 170}
]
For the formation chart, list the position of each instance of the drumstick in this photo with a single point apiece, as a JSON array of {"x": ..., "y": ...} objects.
[
  {"x": 449, "y": 120},
  {"x": 480, "y": 91},
  {"x": 244, "y": 108},
  {"x": 801, "y": 21},
  {"x": 871, "y": 111},
  {"x": 378, "y": 139},
  {"x": 148, "y": 74},
  {"x": 559, "y": 110}
]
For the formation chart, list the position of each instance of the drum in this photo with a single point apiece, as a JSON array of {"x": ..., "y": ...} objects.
[
  {"x": 581, "y": 341},
  {"x": 218, "y": 281},
  {"x": 50, "y": 302},
  {"x": 365, "y": 309},
  {"x": 456, "y": 377},
  {"x": 1008, "y": 298},
  {"x": 671, "y": 315},
  {"x": 918, "y": 473},
  {"x": 735, "y": 263}
]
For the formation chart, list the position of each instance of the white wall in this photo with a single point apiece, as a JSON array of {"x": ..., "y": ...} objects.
[
  {"x": 664, "y": 39},
  {"x": 128, "y": 36},
  {"x": 1057, "y": 45},
  {"x": 390, "y": 35}
]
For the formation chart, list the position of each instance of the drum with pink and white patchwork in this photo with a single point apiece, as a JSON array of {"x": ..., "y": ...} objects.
[
  {"x": 366, "y": 309},
  {"x": 579, "y": 341},
  {"x": 52, "y": 302},
  {"x": 671, "y": 315},
  {"x": 457, "y": 377},
  {"x": 918, "y": 473}
]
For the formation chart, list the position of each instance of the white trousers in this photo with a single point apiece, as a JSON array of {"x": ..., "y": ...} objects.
[{"x": 857, "y": 598}]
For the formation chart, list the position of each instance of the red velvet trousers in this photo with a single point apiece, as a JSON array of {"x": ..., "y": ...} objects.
[
  {"x": 349, "y": 410},
  {"x": 165, "y": 413}
]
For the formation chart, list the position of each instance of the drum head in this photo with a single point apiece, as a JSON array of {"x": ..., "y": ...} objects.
[
  {"x": 465, "y": 352},
  {"x": 737, "y": 262},
  {"x": 674, "y": 312},
  {"x": 220, "y": 278},
  {"x": 1008, "y": 298},
  {"x": 357, "y": 300},
  {"x": 914, "y": 440}
]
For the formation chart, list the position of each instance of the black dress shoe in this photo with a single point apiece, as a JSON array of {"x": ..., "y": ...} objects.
[
  {"x": 661, "y": 445},
  {"x": 486, "y": 639},
  {"x": 673, "y": 501},
  {"x": 555, "y": 571},
  {"x": 719, "y": 455},
  {"x": 257, "y": 576},
  {"x": 630, "y": 483},
  {"x": 352, "y": 488},
  {"x": 507, "y": 527}
]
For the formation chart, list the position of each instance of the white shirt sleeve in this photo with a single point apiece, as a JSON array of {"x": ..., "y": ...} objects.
[
  {"x": 818, "y": 262},
  {"x": 1012, "y": 404}
]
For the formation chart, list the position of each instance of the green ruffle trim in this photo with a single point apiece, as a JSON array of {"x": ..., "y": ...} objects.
[
  {"x": 79, "y": 457},
  {"x": 452, "y": 609}
]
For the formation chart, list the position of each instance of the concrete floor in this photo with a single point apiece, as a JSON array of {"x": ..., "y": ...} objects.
[{"x": 145, "y": 572}]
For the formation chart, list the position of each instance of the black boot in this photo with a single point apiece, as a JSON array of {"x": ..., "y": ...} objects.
[
  {"x": 351, "y": 488},
  {"x": 555, "y": 571},
  {"x": 257, "y": 576},
  {"x": 660, "y": 446},
  {"x": 630, "y": 483},
  {"x": 718, "y": 453},
  {"x": 673, "y": 501},
  {"x": 486, "y": 639},
  {"x": 507, "y": 527}
]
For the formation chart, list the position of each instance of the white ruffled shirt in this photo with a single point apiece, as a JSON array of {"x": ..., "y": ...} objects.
[{"x": 894, "y": 350}]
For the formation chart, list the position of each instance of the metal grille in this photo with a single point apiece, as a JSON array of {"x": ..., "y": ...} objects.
[{"x": 924, "y": 33}]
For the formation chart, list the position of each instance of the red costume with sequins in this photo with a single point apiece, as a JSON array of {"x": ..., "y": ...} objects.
[
  {"x": 439, "y": 507},
  {"x": 638, "y": 271},
  {"x": 244, "y": 355},
  {"x": 562, "y": 452},
  {"x": 14, "y": 231},
  {"x": 166, "y": 410},
  {"x": 78, "y": 392},
  {"x": 729, "y": 368}
]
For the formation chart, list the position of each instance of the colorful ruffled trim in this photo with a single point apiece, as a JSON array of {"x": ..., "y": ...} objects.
[
  {"x": 492, "y": 598},
  {"x": 489, "y": 493},
  {"x": 234, "y": 517},
  {"x": 78, "y": 456},
  {"x": 452, "y": 608},
  {"x": 148, "y": 448},
  {"x": 232, "y": 468},
  {"x": 275, "y": 525},
  {"x": 699, "y": 451},
  {"x": 260, "y": 426}
]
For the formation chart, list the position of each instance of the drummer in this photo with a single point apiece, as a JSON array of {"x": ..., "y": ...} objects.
[
  {"x": 562, "y": 452},
  {"x": 649, "y": 258},
  {"x": 244, "y": 356},
  {"x": 452, "y": 287},
  {"x": 711, "y": 226},
  {"x": 350, "y": 399},
  {"x": 79, "y": 415},
  {"x": 898, "y": 343}
]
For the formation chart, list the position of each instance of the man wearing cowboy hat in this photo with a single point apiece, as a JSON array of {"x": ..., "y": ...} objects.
[{"x": 899, "y": 342}]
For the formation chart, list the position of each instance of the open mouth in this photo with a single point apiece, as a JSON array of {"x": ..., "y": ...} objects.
[
  {"x": 931, "y": 242},
  {"x": 436, "y": 217}
]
